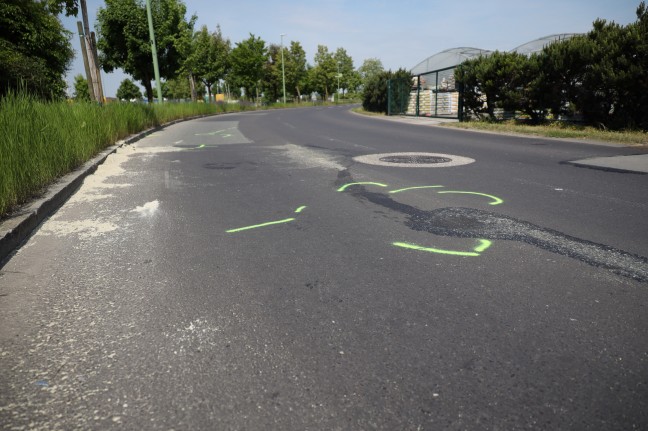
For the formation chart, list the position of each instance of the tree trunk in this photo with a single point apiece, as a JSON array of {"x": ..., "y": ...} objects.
[
  {"x": 149, "y": 90},
  {"x": 208, "y": 85},
  {"x": 192, "y": 86}
]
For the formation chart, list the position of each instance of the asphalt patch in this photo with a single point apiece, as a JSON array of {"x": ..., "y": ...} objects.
[{"x": 475, "y": 223}]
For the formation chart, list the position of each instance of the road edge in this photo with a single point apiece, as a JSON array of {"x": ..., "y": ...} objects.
[{"x": 19, "y": 226}]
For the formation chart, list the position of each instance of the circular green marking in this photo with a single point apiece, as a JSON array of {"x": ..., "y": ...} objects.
[
  {"x": 496, "y": 200},
  {"x": 413, "y": 188},
  {"x": 483, "y": 245},
  {"x": 270, "y": 223},
  {"x": 300, "y": 209},
  {"x": 344, "y": 187}
]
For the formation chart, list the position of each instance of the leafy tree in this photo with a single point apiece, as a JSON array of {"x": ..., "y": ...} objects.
[
  {"x": 128, "y": 90},
  {"x": 209, "y": 59},
  {"x": 177, "y": 88},
  {"x": 81, "y": 92},
  {"x": 370, "y": 67},
  {"x": 35, "y": 49},
  {"x": 272, "y": 75},
  {"x": 296, "y": 69},
  {"x": 247, "y": 64},
  {"x": 375, "y": 93},
  {"x": 323, "y": 75},
  {"x": 345, "y": 71},
  {"x": 123, "y": 38},
  {"x": 56, "y": 7}
]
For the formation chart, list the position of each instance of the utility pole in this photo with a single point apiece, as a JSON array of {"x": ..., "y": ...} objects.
[
  {"x": 283, "y": 69},
  {"x": 90, "y": 51},
  {"x": 86, "y": 64},
  {"x": 156, "y": 69}
]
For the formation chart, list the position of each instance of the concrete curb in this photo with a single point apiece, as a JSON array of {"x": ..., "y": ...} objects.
[{"x": 19, "y": 226}]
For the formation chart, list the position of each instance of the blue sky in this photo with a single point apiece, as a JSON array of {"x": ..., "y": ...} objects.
[{"x": 399, "y": 33}]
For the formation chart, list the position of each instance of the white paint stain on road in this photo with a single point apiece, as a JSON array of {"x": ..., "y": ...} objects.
[{"x": 148, "y": 209}]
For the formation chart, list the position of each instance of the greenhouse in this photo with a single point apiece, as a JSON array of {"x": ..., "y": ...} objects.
[{"x": 433, "y": 92}]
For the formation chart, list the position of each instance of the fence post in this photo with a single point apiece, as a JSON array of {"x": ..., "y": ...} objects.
[
  {"x": 460, "y": 103},
  {"x": 418, "y": 95},
  {"x": 389, "y": 96}
]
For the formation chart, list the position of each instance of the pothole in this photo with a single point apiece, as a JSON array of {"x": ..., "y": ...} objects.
[{"x": 414, "y": 160}]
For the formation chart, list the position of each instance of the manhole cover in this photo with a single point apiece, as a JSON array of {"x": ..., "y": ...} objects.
[{"x": 414, "y": 160}]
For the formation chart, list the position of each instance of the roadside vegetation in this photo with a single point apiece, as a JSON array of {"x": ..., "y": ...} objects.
[
  {"x": 44, "y": 140},
  {"x": 557, "y": 130}
]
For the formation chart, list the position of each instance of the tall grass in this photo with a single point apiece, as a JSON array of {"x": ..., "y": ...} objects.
[{"x": 42, "y": 141}]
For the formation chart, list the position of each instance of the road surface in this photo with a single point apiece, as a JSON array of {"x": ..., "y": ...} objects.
[{"x": 245, "y": 271}]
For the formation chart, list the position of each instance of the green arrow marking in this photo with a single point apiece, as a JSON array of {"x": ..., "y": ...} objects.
[
  {"x": 270, "y": 223},
  {"x": 496, "y": 200},
  {"x": 344, "y": 187},
  {"x": 483, "y": 245},
  {"x": 413, "y": 188}
]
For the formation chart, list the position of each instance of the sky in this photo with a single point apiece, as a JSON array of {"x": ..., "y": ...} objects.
[{"x": 400, "y": 33}]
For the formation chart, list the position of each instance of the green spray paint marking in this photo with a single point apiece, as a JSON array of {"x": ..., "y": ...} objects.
[
  {"x": 413, "y": 188},
  {"x": 201, "y": 146},
  {"x": 483, "y": 245},
  {"x": 344, "y": 187},
  {"x": 496, "y": 200},
  {"x": 300, "y": 209},
  {"x": 270, "y": 223}
]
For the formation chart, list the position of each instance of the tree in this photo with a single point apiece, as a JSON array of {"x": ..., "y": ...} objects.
[
  {"x": 247, "y": 61},
  {"x": 375, "y": 93},
  {"x": 272, "y": 75},
  {"x": 56, "y": 7},
  {"x": 124, "y": 42},
  {"x": 177, "y": 88},
  {"x": 128, "y": 90},
  {"x": 209, "y": 58},
  {"x": 345, "y": 72},
  {"x": 370, "y": 67},
  {"x": 296, "y": 69},
  {"x": 323, "y": 75},
  {"x": 81, "y": 92},
  {"x": 35, "y": 49}
]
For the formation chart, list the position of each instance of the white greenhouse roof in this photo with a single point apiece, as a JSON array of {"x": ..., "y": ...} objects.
[
  {"x": 448, "y": 58},
  {"x": 537, "y": 45},
  {"x": 455, "y": 56}
]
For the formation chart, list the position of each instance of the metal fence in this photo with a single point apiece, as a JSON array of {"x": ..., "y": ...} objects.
[{"x": 432, "y": 94}]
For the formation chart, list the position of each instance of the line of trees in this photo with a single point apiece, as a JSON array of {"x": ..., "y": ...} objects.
[
  {"x": 207, "y": 60},
  {"x": 35, "y": 54},
  {"x": 601, "y": 76}
]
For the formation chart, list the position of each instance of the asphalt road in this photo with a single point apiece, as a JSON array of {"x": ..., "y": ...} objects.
[{"x": 244, "y": 272}]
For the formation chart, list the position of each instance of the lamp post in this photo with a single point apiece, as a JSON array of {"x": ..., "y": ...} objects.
[
  {"x": 338, "y": 77},
  {"x": 156, "y": 69},
  {"x": 283, "y": 70}
]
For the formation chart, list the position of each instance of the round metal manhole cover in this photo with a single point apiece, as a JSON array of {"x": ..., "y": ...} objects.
[{"x": 414, "y": 160}]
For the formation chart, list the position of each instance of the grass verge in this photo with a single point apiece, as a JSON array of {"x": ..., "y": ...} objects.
[
  {"x": 42, "y": 141},
  {"x": 558, "y": 130}
]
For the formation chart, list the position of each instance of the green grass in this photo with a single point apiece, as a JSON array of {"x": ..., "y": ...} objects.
[
  {"x": 42, "y": 141},
  {"x": 558, "y": 130}
]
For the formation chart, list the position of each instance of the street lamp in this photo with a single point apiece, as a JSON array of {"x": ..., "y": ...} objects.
[
  {"x": 338, "y": 77},
  {"x": 283, "y": 69}
]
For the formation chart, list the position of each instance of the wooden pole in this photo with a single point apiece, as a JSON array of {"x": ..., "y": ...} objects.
[{"x": 84, "y": 52}]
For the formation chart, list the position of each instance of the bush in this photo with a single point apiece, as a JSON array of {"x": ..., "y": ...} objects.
[{"x": 376, "y": 92}]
